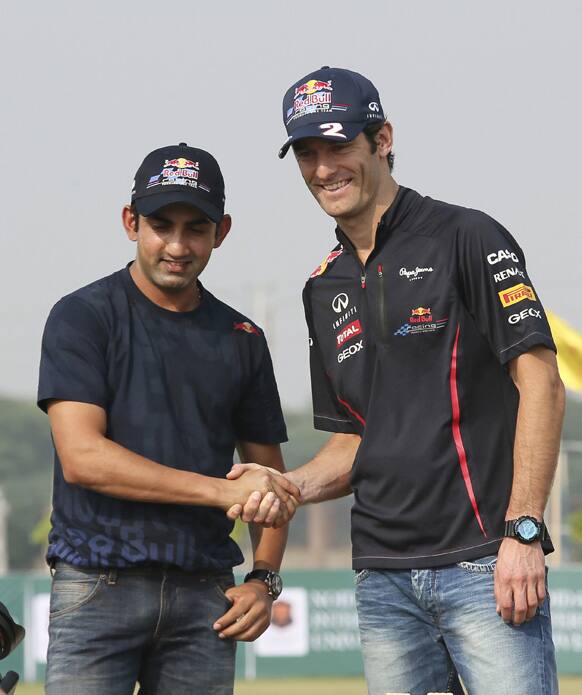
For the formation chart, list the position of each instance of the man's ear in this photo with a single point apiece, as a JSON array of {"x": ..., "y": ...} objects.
[
  {"x": 222, "y": 229},
  {"x": 130, "y": 223},
  {"x": 384, "y": 139}
]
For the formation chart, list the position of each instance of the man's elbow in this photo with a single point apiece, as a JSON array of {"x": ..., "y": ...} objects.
[{"x": 78, "y": 464}]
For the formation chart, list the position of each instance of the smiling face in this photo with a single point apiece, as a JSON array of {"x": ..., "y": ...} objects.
[
  {"x": 345, "y": 178},
  {"x": 173, "y": 247}
]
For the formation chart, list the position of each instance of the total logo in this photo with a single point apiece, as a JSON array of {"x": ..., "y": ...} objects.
[
  {"x": 350, "y": 351},
  {"x": 350, "y": 331},
  {"x": 516, "y": 318},
  {"x": 340, "y": 302},
  {"x": 502, "y": 255}
]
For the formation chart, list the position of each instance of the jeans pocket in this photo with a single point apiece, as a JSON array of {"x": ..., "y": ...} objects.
[
  {"x": 221, "y": 584},
  {"x": 360, "y": 576},
  {"x": 482, "y": 565},
  {"x": 70, "y": 592}
]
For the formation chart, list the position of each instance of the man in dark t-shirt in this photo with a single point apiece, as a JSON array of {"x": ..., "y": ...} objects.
[
  {"x": 150, "y": 383},
  {"x": 433, "y": 368}
]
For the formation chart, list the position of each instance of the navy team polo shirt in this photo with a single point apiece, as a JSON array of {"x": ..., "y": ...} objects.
[
  {"x": 410, "y": 351},
  {"x": 179, "y": 388}
]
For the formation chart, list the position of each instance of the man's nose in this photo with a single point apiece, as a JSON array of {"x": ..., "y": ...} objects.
[
  {"x": 176, "y": 244},
  {"x": 325, "y": 167}
]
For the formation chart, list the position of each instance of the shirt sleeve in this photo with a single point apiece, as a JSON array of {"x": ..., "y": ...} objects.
[
  {"x": 328, "y": 415},
  {"x": 497, "y": 290},
  {"x": 73, "y": 357},
  {"x": 258, "y": 416}
]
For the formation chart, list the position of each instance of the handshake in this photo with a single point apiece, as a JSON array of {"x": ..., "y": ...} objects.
[{"x": 260, "y": 495}]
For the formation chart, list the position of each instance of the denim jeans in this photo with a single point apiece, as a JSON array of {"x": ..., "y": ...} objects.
[
  {"x": 110, "y": 629},
  {"x": 419, "y": 628}
]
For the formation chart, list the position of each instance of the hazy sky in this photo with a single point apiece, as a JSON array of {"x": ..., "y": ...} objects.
[{"x": 484, "y": 98}]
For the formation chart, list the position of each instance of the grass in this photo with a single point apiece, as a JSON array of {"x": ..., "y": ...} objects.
[{"x": 312, "y": 686}]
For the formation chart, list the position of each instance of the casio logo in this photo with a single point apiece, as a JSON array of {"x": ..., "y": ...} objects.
[
  {"x": 516, "y": 318},
  {"x": 350, "y": 351},
  {"x": 502, "y": 255}
]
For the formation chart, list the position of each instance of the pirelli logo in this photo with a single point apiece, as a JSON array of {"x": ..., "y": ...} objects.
[{"x": 515, "y": 294}]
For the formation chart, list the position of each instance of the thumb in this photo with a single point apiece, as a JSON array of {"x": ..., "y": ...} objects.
[
  {"x": 236, "y": 471},
  {"x": 234, "y": 512}
]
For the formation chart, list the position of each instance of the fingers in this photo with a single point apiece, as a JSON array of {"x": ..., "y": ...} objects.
[
  {"x": 251, "y": 506},
  {"x": 249, "y": 616},
  {"x": 283, "y": 484}
]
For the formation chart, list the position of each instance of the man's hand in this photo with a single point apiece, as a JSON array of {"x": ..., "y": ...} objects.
[
  {"x": 260, "y": 495},
  {"x": 520, "y": 580},
  {"x": 263, "y": 510},
  {"x": 250, "y": 614}
]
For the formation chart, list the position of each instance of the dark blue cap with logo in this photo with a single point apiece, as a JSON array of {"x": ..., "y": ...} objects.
[
  {"x": 179, "y": 174},
  {"x": 330, "y": 103}
]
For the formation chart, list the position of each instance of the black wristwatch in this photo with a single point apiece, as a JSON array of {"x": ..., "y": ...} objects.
[
  {"x": 272, "y": 580},
  {"x": 526, "y": 529}
]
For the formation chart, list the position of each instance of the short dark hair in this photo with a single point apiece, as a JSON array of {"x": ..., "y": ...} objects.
[
  {"x": 135, "y": 214},
  {"x": 370, "y": 131}
]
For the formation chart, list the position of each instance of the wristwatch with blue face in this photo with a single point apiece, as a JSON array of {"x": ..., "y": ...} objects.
[
  {"x": 526, "y": 529},
  {"x": 272, "y": 580}
]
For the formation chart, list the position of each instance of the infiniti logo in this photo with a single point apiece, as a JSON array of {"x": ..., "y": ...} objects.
[
  {"x": 373, "y": 106},
  {"x": 340, "y": 302}
]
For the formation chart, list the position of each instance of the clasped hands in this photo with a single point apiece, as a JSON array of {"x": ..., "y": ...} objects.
[{"x": 260, "y": 495}]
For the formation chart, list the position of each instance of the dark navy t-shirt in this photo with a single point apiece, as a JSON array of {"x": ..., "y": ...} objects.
[{"x": 179, "y": 388}]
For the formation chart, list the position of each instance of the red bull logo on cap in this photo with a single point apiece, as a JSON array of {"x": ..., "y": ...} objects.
[
  {"x": 312, "y": 86},
  {"x": 181, "y": 163}
]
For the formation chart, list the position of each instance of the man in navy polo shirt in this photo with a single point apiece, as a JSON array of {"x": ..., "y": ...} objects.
[
  {"x": 150, "y": 382},
  {"x": 433, "y": 366}
]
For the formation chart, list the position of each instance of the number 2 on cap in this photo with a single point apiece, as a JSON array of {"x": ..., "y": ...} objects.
[{"x": 334, "y": 129}]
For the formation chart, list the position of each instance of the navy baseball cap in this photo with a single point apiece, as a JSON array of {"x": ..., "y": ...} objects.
[
  {"x": 179, "y": 174},
  {"x": 330, "y": 103}
]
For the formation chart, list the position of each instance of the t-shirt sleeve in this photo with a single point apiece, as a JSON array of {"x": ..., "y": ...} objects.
[
  {"x": 328, "y": 415},
  {"x": 258, "y": 416},
  {"x": 73, "y": 356},
  {"x": 497, "y": 290}
]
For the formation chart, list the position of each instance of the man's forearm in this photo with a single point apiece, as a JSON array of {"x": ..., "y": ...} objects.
[
  {"x": 537, "y": 438},
  {"x": 327, "y": 475},
  {"x": 110, "y": 469},
  {"x": 268, "y": 546}
]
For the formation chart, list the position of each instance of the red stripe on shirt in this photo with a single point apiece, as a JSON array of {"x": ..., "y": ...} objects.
[
  {"x": 461, "y": 453},
  {"x": 349, "y": 408}
]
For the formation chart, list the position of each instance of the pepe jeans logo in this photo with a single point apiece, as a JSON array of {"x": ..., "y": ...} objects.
[
  {"x": 417, "y": 273},
  {"x": 340, "y": 302}
]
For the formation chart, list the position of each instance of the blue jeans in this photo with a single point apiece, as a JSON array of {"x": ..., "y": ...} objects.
[
  {"x": 419, "y": 628},
  {"x": 110, "y": 629}
]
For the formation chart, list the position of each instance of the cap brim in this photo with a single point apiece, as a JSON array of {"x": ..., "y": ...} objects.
[
  {"x": 151, "y": 203},
  {"x": 348, "y": 132}
]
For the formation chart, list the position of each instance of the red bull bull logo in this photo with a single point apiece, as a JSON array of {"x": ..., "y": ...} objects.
[
  {"x": 312, "y": 86},
  {"x": 181, "y": 163},
  {"x": 322, "y": 267},
  {"x": 420, "y": 315},
  {"x": 247, "y": 327}
]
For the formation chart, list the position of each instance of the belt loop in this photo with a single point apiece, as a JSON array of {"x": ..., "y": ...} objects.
[{"x": 112, "y": 576}]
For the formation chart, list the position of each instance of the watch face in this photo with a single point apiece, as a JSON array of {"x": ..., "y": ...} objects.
[
  {"x": 275, "y": 585},
  {"x": 527, "y": 529}
]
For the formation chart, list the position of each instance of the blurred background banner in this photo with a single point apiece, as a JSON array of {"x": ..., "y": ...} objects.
[{"x": 569, "y": 344}]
